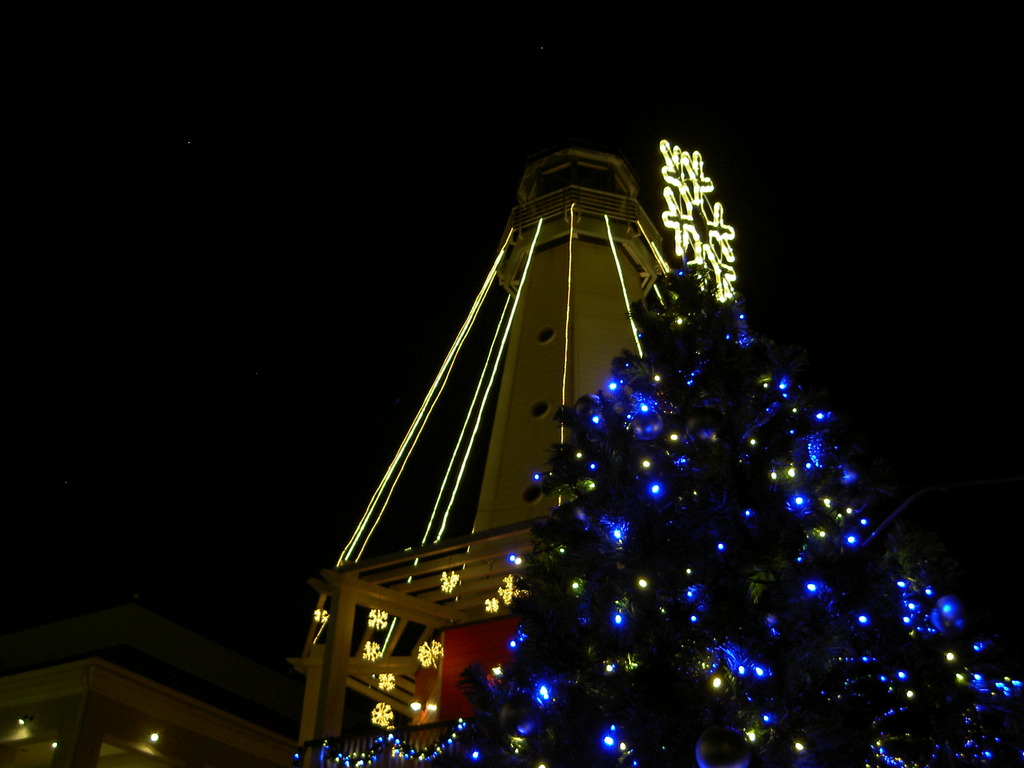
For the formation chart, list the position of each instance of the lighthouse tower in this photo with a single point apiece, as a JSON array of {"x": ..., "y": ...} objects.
[
  {"x": 577, "y": 252},
  {"x": 580, "y": 255}
]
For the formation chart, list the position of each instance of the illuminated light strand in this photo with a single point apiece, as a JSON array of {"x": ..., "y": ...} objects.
[
  {"x": 405, "y": 460},
  {"x": 385, "y": 746},
  {"x": 622, "y": 285},
  {"x": 657, "y": 292},
  {"x": 388, "y": 643},
  {"x": 398, "y": 463},
  {"x": 321, "y": 600},
  {"x": 477, "y": 405},
  {"x": 568, "y": 314},
  {"x": 662, "y": 264},
  {"x": 515, "y": 306}
]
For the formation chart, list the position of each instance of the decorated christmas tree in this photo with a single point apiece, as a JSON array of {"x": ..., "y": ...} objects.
[{"x": 720, "y": 582}]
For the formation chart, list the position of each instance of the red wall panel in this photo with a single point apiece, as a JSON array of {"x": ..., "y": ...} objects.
[{"x": 485, "y": 644}]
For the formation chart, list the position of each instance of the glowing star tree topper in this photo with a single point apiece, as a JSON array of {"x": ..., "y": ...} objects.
[{"x": 700, "y": 229}]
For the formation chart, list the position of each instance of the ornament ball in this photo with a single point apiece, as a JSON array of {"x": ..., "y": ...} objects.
[
  {"x": 567, "y": 512},
  {"x": 948, "y": 615},
  {"x": 703, "y": 424},
  {"x": 720, "y": 747},
  {"x": 647, "y": 425},
  {"x": 588, "y": 405},
  {"x": 518, "y": 716}
]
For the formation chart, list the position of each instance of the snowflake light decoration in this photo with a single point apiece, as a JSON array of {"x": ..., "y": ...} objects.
[
  {"x": 320, "y": 616},
  {"x": 449, "y": 581},
  {"x": 378, "y": 619},
  {"x": 491, "y": 605},
  {"x": 386, "y": 681},
  {"x": 430, "y": 654},
  {"x": 382, "y": 715},
  {"x": 372, "y": 651},
  {"x": 699, "y": 233},
  {"x": 508, "y": 589}
]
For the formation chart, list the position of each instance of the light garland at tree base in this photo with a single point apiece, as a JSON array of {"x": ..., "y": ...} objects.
[{"x": 391, "y": 745}]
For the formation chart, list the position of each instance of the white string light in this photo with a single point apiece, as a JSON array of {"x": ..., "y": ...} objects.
[
  {"x": 398, "y": 463},
  {"x": 622, "y": 285}
]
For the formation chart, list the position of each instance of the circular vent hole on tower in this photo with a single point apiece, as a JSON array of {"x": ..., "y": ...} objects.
[
  {"x": 545, "y": 334},
  {"x": 540, "y": 409},
  {"x": 533, "y": 493}
]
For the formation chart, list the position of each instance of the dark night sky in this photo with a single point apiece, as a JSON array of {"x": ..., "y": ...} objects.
[{"x": 242, "y": 250}]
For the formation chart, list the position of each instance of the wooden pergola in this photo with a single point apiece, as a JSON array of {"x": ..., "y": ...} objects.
[{"x": 408, "y": 586}]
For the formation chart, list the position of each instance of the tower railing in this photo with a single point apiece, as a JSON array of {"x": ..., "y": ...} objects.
[{"x": 558, "y": 203}]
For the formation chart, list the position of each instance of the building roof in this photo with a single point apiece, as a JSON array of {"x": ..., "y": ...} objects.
[{"x": 150, "y": 645}]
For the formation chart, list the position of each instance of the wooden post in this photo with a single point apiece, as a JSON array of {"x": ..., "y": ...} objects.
[{"x": 331, "y": 709}]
